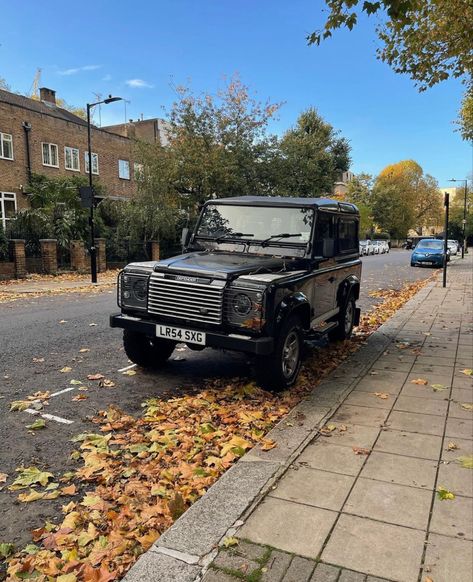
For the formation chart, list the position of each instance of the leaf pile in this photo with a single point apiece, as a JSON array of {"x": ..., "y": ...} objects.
[{"x": 140, "y": 474}]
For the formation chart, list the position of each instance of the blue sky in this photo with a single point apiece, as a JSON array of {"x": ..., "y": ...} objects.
[{"x": 139, "y": 50}]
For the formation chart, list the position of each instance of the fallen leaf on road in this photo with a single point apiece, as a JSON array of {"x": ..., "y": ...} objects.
[
  {"x": 467, "y": 372},
  {"x": 426, "y": 579},
  {"x": 452, "y": 446},
  {"x": 228, "y": 542},
  {"x": 3, "y": 477},
  {"x": 382, "y": 395},
  {"x": 33, "y": 495},
  {"x": 361, "y": 451},
  {"x": 466, "y": 462},
  {"x": 40, "y": 395},
  {"x": 107, "y": 383},
  {"x": 466, "y": 406},
  {"x": 66, "y": 369},
  {"x": 29, "y": 476},
  {"x": 75, "y": 382},
  {"x": 66, "y": 578},
  {"x": 79, "y": 397},
  {"x": 420, "y": 381},
  {"x": 267, "y": 444},
  {"x": 444, "y": 494},
  {"x": 38, "y": 360},
  {"x": 328, "y": 428},
  {"x": 69, "y": 490},
  {"x": 438, "y": 387},
  {"x": 40, "y": 423},
  {"x": 129, "y": 373},
  {"x": 19, "y": 405},
  {"x": 6, "y": 550},
  {"x": 84, "y": 350},
  {"x": 95, "y": 376}
]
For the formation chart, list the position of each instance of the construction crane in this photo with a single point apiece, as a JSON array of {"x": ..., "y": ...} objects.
[{"x": 34, "y": 89}]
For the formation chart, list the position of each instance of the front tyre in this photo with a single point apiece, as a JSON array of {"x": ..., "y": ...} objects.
[
  {"x": 346, "y": 321},
  {"x": 279, "y": 370},
  {"x": 147, "y": 351}
]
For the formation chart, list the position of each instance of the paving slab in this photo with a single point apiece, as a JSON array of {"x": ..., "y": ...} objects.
[
  {"x": 217, "y": 576},
  {"x": 361, "y": 415},
  {"x": 328, "y": 456},
  {"x": 464, "y": 448},
  {"x": 456, "y": 479},
  {"x": 418, "y": 423},
  {"x": 422, "y": 405},
  {"x": 232, "y": 561},
  {"x": 401, "y": 470},
  {"x": 349, "y": 576},
  {"x": 354, "y": 436},
  {"x": 410, "y": 444},
  {"x": 392, "y": 366},
  {"x": 380, "y": 549},
  {"x": 155, "y": 567},
  {"x": 461, "y": 428},
  {"x": 388, "y": 502},
  {"x": 453, "y": 517},
  {"x": 300, "y": 570},
  {"x": 461, "y": 408},
  {"x": 289, "y": 526},
  {"x": 276, "y": 567},
  {"x": 448, "y": 559},
  {"x": 325, "y": 573},
  {"x": 314, "y": 487},
  {"x": 462, "y": 394},
  {"x": 425, "y": 392}
]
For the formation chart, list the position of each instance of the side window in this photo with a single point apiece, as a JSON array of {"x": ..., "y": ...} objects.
[
  {"x": 347, "y": 235},
  {"x": 324, "y": 244}
]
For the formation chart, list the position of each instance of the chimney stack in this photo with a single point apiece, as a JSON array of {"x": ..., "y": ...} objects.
[{"x": 47, "y": 95}]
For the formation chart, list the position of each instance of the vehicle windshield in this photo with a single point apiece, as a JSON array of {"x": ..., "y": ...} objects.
[
  {"x": 254, "y": 224},
  {"x": 430, "y": 244}
]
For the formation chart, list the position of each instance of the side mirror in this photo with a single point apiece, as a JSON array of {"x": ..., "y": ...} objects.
[
  {"x": 328, "y": 247},
  {"x": 185, "y": 237}
]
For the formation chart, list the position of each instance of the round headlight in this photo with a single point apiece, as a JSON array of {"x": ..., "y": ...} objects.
[
  {"x": 139, "y": 289},
  {"x": 242, "y": 304}
]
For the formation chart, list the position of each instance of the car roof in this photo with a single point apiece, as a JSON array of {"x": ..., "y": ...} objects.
[{"x": 287, "y": 201}]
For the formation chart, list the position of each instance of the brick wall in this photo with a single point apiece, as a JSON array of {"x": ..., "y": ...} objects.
[{"x": 46, "y": 128}]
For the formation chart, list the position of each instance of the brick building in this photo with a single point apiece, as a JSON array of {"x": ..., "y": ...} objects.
[
  {"x": 155, "y": 130},
  {"x": 40, "y": 137}
]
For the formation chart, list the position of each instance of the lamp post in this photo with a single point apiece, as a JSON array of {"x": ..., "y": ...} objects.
[
  {"x": 93, "y": 250},
  {"x": 464, "y": 215}
]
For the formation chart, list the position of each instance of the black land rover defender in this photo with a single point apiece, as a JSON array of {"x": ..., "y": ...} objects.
[{"x": 258, "y": 275}]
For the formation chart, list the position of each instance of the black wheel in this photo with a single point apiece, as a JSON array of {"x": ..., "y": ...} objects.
[
  {"x": 346, "y": 320},
  {"x": 279, "y": 370},
  {"x": 146, "y": 351},
  {"x": 412, "y": 264}
]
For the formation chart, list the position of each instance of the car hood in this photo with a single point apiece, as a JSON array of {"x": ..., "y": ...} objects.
[{"x": 224, "y": 265}]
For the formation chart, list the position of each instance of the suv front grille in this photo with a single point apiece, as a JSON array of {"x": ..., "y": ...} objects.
[{"x": 191, "y": 300}]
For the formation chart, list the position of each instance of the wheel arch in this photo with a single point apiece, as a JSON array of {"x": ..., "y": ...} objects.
[
  {"x": 294, "y": 304},
  {"x": 349, "y": 286}
]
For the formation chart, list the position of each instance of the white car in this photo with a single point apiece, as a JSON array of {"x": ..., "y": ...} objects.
[
  {"x": 382, "y": 245},
  {"x": 453, "y": 246},
  {"x": 366, "y": 247}
]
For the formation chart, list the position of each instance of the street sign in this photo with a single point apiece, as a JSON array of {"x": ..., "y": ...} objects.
[{"x": 86, "y": 194}]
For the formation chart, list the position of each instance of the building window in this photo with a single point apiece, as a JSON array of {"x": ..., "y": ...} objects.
[
  {"x": 50, "y": 155},
  {"x": 124, "y": 169},
  {"x": 6, "y": 146},
  {"x": 71, "y": 159},
  {"x": 95, "y": 163},
  {"x": 7, "y": 207}
]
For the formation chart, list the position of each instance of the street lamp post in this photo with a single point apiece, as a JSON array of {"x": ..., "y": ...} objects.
[
  {"x": 465, "y": 182},
  {"x": 93, "y": 250}
]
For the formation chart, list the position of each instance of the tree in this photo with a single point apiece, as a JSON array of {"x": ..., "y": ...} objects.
[
  {"x": 466, "y": 115},
  {"x": 4, "y": 85},
  {"x": 313, "y": 156},
  {"x": 429, "y": 40},
  {"x": 360, "y": 192},
  {"x": 404, "y": 198}
]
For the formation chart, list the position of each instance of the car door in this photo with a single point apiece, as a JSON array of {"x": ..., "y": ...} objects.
[{"x": 323, "y": 282}]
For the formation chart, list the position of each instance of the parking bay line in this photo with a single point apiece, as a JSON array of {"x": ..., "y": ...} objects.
[{"x": 49, "y": 416}]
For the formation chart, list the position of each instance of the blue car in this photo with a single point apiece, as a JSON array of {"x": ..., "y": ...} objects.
[{"x": 428, "y": 252}]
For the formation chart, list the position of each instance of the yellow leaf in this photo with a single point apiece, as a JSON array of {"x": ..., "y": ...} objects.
[
  {"x": 467, "y": 372},
  {"x": 66, "y": 577},
  {"x": 32, "y": 495},
  {"x": 267, "y": 444},
  {"x": 466, "y": 406},
  {"x": 382, "y": 395},
  {"x": 444, "y": 493},
  {"x": 129, "y": 373},
  {"x": 235, "y": 443},
  {"x": 66, "y": 369},
  {"x": 466, "y": 462},
  {"x": 228, "y": 542}
]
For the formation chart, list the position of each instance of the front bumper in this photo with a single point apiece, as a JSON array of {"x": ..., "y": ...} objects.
[
  {"x": 260, "y": 346},
  {"x": 432, "y": 261}
]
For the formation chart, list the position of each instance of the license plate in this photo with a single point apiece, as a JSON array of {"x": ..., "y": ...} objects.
[
  {"x": 177, "y": 334},
  {"x": 428, "y": 263}
]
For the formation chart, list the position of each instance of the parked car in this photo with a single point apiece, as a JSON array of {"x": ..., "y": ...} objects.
[
  {"x": 368, "y": 247},
  {"x": 380, "y": 247},
  {"x": 257, "y": 275},
  {"x": 363, "y": 246},
  {"x": 453, "y": 246},
  {"x": 429, "y": 252}
]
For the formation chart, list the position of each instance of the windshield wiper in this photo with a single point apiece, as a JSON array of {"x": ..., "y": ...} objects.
[
  {"x": 266, "y": 241},
  {"x": 231, "y": 235}
]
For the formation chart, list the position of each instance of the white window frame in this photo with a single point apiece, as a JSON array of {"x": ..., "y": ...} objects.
[
  {"x": 95, "y": 163},
  {"x": 3, "y": 197},
  {"x": 127, "y": 162},
  {"x": 50, "y": 146},
  {"x": 3, "y": 137},
  {"x": 66, "y": 148}
]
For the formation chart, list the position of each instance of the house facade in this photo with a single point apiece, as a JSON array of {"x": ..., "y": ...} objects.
[{"x": 38, "y": 137}]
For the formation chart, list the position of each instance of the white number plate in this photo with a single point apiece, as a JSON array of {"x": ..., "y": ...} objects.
[{"x": 187, "y": 336}]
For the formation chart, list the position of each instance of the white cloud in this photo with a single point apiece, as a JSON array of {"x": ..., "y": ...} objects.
[
  {"x": 74, "y": 71},
  {"x": 138, "y": 84},
  {"x": 107, "y": 77}
]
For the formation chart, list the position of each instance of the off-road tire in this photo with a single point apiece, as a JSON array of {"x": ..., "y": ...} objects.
[
  {"x": 345, "y": 320},
  {"x": 146, "y": 351},
  {"x": 273, "y": 372}
]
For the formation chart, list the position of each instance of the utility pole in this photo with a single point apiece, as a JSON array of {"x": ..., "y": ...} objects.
[{"x": 445, "y": 238}]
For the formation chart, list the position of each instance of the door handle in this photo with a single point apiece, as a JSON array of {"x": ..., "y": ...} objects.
[{"x": 332, "y": 279}]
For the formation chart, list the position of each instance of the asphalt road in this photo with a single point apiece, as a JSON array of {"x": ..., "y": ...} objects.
[{"x": 52, "y": 330}]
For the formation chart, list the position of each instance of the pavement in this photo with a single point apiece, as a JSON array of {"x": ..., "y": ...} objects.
[{"x": 353, "y": 490}]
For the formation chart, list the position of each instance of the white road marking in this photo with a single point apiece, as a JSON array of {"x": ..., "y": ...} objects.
[
  {"x": 62, "y": 391},
  {"x": 127, "y": 368},
  {"x": 49, "y": 416}
]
